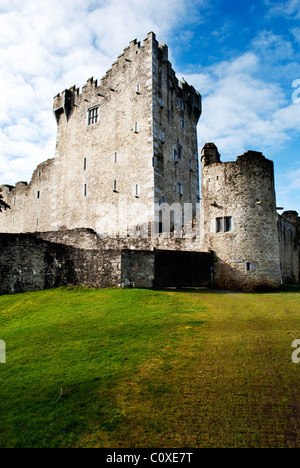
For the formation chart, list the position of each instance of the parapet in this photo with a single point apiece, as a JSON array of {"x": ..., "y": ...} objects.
[
  {"x": 63, "y": 102},
  {"x": 291, "y": 216},
  {"x": 69, "y": 98},
  {"x": 210, "y": 154}
]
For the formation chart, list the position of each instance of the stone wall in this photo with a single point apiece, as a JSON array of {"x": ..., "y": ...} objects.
[
  {"x": 176, "y": 111},
  {"x": 30, "y": 204},
  {"x": 88, "y": 239},
  {"x": 138, "y": 268},
  {"x": 31, "y": 264}
]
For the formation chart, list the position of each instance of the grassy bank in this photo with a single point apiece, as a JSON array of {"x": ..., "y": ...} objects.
[{"x": 137, "y": 368}]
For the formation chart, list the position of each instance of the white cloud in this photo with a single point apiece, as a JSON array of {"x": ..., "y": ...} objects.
[
  {"x": 290, "y": 8},
  {"x": 47, "y": 46},
  {"x": 288, "y": 188},
  {"x": 273, "y": 47},
  {"x": 242, "y": 111}
]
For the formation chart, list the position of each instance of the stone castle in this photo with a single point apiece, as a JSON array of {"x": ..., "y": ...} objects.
[{"x": 119, "y": 204}]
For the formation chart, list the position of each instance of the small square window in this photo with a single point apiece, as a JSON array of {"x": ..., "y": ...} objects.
[
  {"x": 93, "y": 115},
  {"x": 224, "y": 224}
]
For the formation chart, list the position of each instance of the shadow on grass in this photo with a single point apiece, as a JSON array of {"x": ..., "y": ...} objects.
[
  {"x": 288, "y": 288},
  {"x": 293, "y": 288}
]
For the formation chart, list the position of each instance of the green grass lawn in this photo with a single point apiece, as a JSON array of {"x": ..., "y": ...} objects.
[{"x": 141, "y": 368}]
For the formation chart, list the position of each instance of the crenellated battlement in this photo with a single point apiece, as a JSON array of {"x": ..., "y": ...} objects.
[
  {"x": 65, "y": 101},
  {"x": 129, "y": 55}
]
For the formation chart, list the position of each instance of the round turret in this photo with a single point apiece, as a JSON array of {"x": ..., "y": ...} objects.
[{"x": 239, "y": 220}]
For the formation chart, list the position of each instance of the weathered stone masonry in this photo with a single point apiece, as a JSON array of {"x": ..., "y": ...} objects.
[{"x": 29, "y": 264}]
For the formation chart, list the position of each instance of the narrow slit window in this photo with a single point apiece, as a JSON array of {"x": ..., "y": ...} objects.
[
  {"x": 84, "y": 190},
  {"x": 179, "y": 189},
  {"x": 179, "y": 152},
  {"x": 116, "y": 158},
  {"x": 220, "y": 225},
  {"x": 227, "y": 224},
  {"x": 38, "y": 194},
  {"x": 115, "y": 186},
  {"x": 135, "y": 127},
  {"x": 160, "y": 223},
  {"x": 84, "y": 164},
  {"x": 175, "y": 154}
]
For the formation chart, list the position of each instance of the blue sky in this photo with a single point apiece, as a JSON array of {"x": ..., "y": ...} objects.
[{"x": 243, "y": 57}]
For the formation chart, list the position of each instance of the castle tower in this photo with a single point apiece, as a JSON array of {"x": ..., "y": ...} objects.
[
  {"x": 239, "y": 220},
  {"x": 124, "y": 145}
]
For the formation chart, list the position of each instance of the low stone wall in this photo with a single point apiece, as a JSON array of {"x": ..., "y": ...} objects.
[
  {"x": 84, "y": 238},
  {"x": 30, "y": 264},
  {"x": 138, "y": 268}
]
